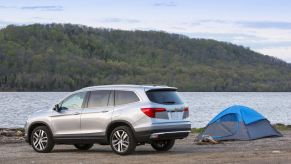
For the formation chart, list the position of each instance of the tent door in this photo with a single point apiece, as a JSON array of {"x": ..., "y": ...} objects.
[{"x": 228, "y": 124}]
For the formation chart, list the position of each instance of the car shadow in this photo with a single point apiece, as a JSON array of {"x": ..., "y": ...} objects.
[
  {"x": 79, "y": 151},
  {"x": 141, "y": 152},
  {"x": 109, "y": 151}
]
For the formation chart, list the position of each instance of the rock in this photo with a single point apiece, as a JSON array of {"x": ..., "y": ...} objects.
[
  {"x": 10, "y": 133},
  {"x": 7, "y": 133},
  {"x": 207, "y": 139},
  {"x": 276, "y": 151},
  {"x": 19, "y": 133}
]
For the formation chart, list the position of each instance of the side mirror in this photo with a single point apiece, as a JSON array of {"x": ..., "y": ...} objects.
[{"x": 57, "y": 108}]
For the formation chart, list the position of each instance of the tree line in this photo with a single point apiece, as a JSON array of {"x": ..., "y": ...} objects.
[{"x": 66, "y": 57}]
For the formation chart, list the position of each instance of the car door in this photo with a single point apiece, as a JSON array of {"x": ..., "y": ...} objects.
[
  {"x": 97, "y": 113},
  {"x": 66, "y": 121}
]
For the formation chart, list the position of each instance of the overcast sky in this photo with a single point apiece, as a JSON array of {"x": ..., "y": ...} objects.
[{"x": 262, "y": 25}]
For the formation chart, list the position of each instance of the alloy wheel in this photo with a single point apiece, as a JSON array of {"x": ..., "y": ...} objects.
[
  {"x": 120, "y": 141},
  {"x": 40, "y": 139}
]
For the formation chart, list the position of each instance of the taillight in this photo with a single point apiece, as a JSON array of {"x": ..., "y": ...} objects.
[
  {"x": 151, "y": 112},
  {"x": 186, "y": 109}
]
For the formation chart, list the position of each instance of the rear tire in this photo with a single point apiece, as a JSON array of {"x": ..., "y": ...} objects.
[
  {"x": 163, "y": 145},
  {"x": 122, "y": 140},
  {"x": 42, "y": 139},
  {"x": 83, "y": 146}
]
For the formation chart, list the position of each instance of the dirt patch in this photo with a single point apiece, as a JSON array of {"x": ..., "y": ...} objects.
[{"x": 268, "y": 150}]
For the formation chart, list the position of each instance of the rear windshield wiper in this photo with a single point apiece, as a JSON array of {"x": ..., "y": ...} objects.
[{"x": 169, "y": 102}]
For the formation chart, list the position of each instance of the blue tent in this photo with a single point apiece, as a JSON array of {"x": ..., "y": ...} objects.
[{"x": 239, "y": 123}]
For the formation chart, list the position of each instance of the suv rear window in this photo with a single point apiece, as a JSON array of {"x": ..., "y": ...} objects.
[
  {"x": 125, "y": 97},
  {"x": 169, "y": 97}
]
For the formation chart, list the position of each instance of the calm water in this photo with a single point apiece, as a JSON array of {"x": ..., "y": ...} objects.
[{"x": 16, "y": 106}]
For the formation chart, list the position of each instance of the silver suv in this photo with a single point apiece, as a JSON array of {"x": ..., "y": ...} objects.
[{"x": 123, "y": 116}]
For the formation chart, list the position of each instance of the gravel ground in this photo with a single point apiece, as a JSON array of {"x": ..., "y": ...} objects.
[{"x": 268, "y": 150}]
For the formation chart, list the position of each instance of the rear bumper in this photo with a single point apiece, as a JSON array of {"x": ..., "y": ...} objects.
[
  {"x": 162, "y": 131},
  {"x": 169, "y": 135}
]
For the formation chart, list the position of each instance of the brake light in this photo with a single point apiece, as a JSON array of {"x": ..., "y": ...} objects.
[
  {"x": 186, "y": 109},
  {"x": 151, "y": 112}
]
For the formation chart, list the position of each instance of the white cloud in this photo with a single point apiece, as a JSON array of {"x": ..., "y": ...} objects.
[
  {"x": 242, "y": 28},
  {"x": 43, "y": 8},
  {"x": 274, "y": 40},
  {"x": 165, "y": 4},
  {"x": 119, "y": 20},
  {"x": 280, "y": 52}
]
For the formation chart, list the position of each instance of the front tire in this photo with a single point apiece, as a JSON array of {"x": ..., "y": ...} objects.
[
  {"x": 83, "y": 146},
  {"x": 163, "y": 145},
  {"x": 122, "y": 140},
  {"x": 42, "y": 140}
]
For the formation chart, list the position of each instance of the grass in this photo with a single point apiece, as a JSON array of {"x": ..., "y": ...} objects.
[
  {"x": 282, "y": 127},
  {"x": 197, "y": 130}
]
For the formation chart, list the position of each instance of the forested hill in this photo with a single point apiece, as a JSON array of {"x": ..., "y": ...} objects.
[{"x": 59, "y": 57}]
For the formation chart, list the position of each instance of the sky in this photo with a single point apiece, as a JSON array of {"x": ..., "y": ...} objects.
[{"x": 262, "y": 25}]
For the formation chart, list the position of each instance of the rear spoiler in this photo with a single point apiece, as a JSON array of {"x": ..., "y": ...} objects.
[{"x": 161, "y": 89}]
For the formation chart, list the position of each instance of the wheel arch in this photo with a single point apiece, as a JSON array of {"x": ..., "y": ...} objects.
[
  {"x": 33, "y": 126},
  {"x": 115, "y": 124}
]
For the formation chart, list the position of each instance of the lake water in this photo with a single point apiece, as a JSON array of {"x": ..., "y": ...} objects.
[{"x": 276, "y": 106}]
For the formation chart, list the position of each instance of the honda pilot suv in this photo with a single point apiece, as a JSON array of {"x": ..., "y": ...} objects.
[{"x": 122, "y": 116}]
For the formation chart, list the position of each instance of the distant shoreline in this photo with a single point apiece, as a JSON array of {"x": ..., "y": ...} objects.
[
  {"x": 16, "y": 135},
  {"x": 278, "y": 126}
]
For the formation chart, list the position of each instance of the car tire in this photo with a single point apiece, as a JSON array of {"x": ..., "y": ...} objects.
[
  {"x": 163, "y": 145},
  {"x": 122, "y": 140},
  {"x": 83, "y": 146},
  {"x": 42, "y": 140}
]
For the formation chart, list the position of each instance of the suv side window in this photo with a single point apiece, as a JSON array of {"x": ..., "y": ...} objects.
[
  {"x": 74, "y": 101},
  {"x": 125, "y": 97},
  {"x": 98, "y": 98}
]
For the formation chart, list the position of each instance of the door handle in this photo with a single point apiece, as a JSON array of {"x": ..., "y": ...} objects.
[
  {"x": 104, "y": 111},
  {"x": 76, "y": 113}
]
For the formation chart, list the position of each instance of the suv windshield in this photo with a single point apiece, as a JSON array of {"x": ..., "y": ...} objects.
[{"x": 163, "y": 96}]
